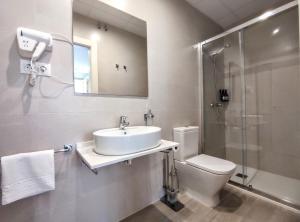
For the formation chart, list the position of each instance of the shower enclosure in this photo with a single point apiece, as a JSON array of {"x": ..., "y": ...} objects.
[{"x": 251, "y": 102}]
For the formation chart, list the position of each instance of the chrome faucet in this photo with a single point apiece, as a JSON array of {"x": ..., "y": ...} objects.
[
  {"x": 147, "y": 116},
  {"x": 123, "y": 122}
]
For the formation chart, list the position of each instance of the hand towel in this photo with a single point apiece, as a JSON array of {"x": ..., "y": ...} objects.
[{"x": 27, "y": 174}]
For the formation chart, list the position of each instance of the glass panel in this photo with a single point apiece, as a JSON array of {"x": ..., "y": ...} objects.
[
  {"x": 273, "y": 105},
  {"x": 223, "y": 124},
  {"x": 258, "y": 128}
]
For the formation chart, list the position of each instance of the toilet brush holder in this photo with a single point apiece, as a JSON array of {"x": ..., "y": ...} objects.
[
  {"x": 170, "y": 199},
  {"x": 172, "y": 196}
]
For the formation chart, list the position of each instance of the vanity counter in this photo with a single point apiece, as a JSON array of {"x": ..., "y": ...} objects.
[{"x": 95, "y": 161}]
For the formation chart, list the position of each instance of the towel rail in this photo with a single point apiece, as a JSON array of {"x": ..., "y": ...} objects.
[{"x": 65, "y": 149}]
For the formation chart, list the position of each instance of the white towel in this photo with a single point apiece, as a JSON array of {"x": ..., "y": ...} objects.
[{"x": 27, "y": 174}]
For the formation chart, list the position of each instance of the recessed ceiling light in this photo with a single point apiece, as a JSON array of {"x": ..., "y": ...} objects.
[{"x": 275, "y": 31}]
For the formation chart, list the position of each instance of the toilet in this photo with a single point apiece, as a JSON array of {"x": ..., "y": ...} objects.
[{"x": 200, "y": 176}]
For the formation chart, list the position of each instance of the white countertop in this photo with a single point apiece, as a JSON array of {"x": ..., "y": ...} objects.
[{"x": 94, "y": 160}]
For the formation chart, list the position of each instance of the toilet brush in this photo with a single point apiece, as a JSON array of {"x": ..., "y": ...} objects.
[{"x": 172, "y": 191}]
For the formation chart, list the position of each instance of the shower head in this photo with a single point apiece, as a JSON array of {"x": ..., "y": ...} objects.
[{"x": 219, "y": 50}]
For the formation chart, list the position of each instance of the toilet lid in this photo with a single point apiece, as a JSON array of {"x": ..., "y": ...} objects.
[{"x": 211, "y": 164}]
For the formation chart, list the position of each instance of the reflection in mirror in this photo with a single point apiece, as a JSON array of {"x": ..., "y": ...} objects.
[{"x": 110, "y": 51}]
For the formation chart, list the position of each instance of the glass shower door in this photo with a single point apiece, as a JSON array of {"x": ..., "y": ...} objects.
[
  {"x": 272, "y": 84},
  {"x": 257, "y": 126},
  {"x": 224, "y": 118}
]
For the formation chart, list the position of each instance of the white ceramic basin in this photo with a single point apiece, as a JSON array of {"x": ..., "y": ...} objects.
[{"x": 131, "y": 140}]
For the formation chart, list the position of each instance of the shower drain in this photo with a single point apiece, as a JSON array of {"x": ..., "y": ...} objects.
[{"x": 244, "y": 176}]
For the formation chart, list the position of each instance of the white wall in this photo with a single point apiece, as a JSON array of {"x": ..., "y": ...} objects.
[{"x": 30, "y": 122}]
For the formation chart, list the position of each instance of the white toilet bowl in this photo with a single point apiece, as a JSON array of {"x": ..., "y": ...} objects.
[{"x": 202, "y": 177}]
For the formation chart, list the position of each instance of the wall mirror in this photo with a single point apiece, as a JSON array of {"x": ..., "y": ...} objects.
[{"x": 109, "y": 52}]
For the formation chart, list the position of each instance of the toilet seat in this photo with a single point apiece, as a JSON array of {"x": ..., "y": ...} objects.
[{"x": 211, "y": 164}]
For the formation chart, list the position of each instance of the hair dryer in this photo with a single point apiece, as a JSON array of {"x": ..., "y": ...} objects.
[{"x": 32, "y": 44}]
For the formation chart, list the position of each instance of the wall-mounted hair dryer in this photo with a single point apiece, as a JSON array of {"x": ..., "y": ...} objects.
[{"x": 32, "y": 44}]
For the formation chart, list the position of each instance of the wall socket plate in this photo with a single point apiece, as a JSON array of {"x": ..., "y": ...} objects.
[{"x": 41, "y": 69}]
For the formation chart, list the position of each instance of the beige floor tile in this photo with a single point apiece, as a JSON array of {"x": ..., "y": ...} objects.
[
  {"x": 235, "y": 206},
  {"x": 148, "y": 214}
]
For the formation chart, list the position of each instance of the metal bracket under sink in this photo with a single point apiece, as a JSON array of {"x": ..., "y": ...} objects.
[{"x": 95, "y": 171}]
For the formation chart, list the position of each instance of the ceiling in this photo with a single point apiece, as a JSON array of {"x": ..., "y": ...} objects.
[{"x": 228, "y": 13}]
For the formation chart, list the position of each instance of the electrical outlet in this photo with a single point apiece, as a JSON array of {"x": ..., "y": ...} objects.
[{"x": 41, "y": 69}]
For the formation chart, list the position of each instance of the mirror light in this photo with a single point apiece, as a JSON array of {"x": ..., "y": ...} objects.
[{"x": 95, "y": 37}]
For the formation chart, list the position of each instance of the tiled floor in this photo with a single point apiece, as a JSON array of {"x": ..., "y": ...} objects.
[{"x": 236, "y": 206}]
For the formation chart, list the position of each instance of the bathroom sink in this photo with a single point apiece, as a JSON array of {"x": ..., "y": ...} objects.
[{"x": 130, "y": 140}]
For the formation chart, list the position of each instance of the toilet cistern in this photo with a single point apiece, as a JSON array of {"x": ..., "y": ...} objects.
[{"x": 123, "y": 122}]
